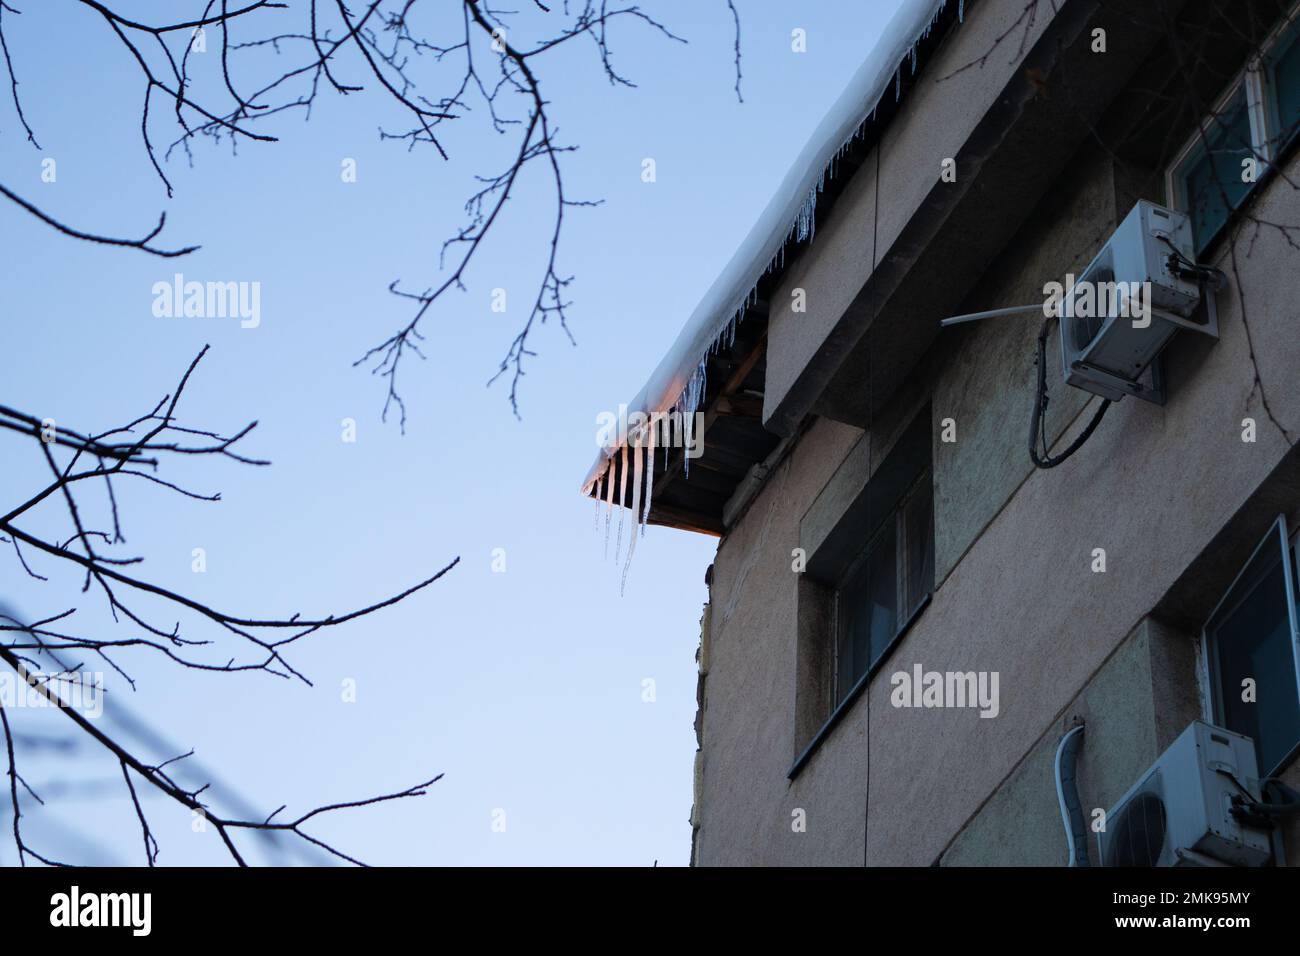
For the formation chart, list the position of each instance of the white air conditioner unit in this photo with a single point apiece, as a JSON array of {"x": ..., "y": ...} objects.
[
  {"x": 1179, "y": 813},
  {"x": 1105, "y": 348}
]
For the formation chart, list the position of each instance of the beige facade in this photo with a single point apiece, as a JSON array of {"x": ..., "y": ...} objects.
[{"x": 1173, "y": 494}]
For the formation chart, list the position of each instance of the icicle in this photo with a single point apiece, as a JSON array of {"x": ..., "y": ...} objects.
[
  {"x": 596, "y": 494},
  {"x": 609, "y": 501},
  {"x": 804, "y": 224},
  {"x": 636, "y": 484},
  {"x": 898, "y": 84},
  {"x": 693, "y": 395},
  {"x": 650, "y": 473},
  {"x": 622, "y": 502},
  {"x": 961, "y": 11},
  {"x": 637, "y": 477}
]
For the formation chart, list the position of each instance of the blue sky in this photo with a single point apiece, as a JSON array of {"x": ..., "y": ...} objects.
[{"x": 525, "y": 688}]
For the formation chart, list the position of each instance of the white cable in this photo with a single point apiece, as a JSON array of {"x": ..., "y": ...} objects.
[{"x": 992, "y": 313}]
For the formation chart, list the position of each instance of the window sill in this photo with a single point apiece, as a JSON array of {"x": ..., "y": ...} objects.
[{"x": 851, "y": 697}]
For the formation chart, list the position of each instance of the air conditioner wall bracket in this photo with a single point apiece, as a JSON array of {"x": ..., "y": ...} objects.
[{"x": 1153, "y": 393}]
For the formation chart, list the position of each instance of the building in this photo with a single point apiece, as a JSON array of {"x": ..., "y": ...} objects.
[{"x": 867, "y": 472}]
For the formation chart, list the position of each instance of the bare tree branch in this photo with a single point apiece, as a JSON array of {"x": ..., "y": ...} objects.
[
  {"x": 133, "y": 452},
  {"x": 401, "y": 49}
]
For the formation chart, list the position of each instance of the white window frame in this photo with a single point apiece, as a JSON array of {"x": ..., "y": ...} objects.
[
  {"x": 1212, "y": 693},
  {"x": 1255, "y": 110},
  {"x": 1262, "y": 135}
]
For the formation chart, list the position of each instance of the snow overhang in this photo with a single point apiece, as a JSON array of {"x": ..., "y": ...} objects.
[{"x": 727, "y": 331}]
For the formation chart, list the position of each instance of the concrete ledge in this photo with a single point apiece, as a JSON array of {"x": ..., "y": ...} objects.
[{"x": 1017, "y": 149}]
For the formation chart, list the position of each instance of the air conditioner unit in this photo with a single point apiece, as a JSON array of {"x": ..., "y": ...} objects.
[
  {"x": 1179, "y": 813},
  {"x": 1105, "y": 348}
]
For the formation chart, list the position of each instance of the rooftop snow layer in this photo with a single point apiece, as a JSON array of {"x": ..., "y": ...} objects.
[{"x": 678, "y": 381}]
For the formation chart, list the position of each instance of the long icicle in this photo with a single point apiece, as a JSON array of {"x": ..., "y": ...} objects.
[
  {"x": 622, "y": 502},
  {"x": 650, "y": 473},
  {"x": 694, "y": 394},
  {"x": 636, "y": 512},
  {"x": 609, "y": 501}
]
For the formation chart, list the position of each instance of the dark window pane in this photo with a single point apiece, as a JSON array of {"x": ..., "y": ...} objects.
[
  {"x": 867, "y": 612},
  {"x": 883, "y": 594},
  {"x": 1210, "y": 177},
  {"x": 1284, "y": 86},
  {"x": 918, "y": 524},
  {"x": 1251, "y": 638}
]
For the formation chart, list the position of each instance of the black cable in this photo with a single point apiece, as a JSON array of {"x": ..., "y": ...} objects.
[
  {"x": 1259, "y": 813},
  {"x": 1037, "y": 424},
  {"x": 1289, "y": 802},
  {"x": 1180, "y": 265},
  {"x": 1236, "y": 783},
  {"x": 1186, "y": 268}
]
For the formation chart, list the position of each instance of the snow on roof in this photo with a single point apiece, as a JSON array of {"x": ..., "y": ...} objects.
[{"x": 678, "y": 381}]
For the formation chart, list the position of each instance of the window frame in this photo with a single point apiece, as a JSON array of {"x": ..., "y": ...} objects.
[
  {"x": 885, "y": 492},
  {"x": 1263, "y": 116},
  {"x": 1278, "y": 536},
  {"x": 903, "y": 614},
  {"x": 1278, "y": 42},
  {"x": 1195, "y": 147}
]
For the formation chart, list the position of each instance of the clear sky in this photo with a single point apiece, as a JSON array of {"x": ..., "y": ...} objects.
[{"x": 525, "y": 688}]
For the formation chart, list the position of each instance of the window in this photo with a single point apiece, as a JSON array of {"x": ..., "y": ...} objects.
[
  {"x": 1208, "y": 182},
  {"x": 1282, "y": 70},
  {"x": 1251, "y": 653},
  {"x": 885, "y": 586},
  {"x": 1257, "y": 118},
  {"x": 868, "y": 578}
]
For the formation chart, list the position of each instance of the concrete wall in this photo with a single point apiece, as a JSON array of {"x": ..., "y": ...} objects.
[
  {"x": 848, "y": 243},
  {"x": 982, "y": 380},
  {"x": 1136, "y": 704},
  {"x": 1016, "y": 593},
  {"x": 966, "y": 77}
]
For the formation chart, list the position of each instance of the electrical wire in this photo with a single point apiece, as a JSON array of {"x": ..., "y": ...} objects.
[
  {"x": 1039, "y": 453},
  {"x": 1038, "y": 423},
  {"x": 1186, "y": 268},
  {"x": 1288, "y": 802}
]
